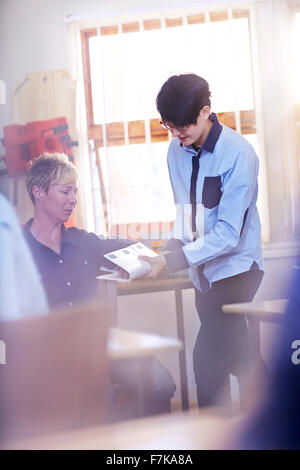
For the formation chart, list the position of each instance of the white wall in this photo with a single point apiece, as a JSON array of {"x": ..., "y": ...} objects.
[{"x": 33, "y": 33}]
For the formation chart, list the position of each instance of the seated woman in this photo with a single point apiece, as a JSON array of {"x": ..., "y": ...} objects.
[{"x": 68, "y": 260}]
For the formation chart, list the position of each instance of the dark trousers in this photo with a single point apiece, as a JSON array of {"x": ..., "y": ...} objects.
[
  {"x": 139, "y": 387},
  {"x": 223, "y": 345}
]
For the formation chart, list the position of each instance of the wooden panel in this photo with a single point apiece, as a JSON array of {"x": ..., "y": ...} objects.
[
  {"x": 218, "y": 16},
  {"x": 297, "y": 113},
  {"x": 136, "y": 132},
  {"x": 248, "y": 123},
  {"x": 195, "y": 19},
  {"x": 240, "y": 13},
  {"x": 45, "y": 95},
  {"x": 112, "y": 29},
  {"x": 130, "y": 27},
  {"x": 152, "y": 24},
  {"x": 136, "y": 129},
  {"x": 158, "y": 134},
  {"x": 41, "y": 96},
  {"x": 85, "y": 36},
  {"x": 102, "y": 189},
  {"x": 171, "y": 22},
  {"x": 228, "y": 119},
  {"x": 98, "y": 143},
  {"x": 96, "y": 133},
  {"x": 115, "y": 134},
  {"x": 89, "y": 32}
]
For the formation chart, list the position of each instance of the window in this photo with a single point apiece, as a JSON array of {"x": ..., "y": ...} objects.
[{"x": 125, "y": 64}]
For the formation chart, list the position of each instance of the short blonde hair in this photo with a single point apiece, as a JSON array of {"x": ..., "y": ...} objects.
[{"x": 50, "y": 168}]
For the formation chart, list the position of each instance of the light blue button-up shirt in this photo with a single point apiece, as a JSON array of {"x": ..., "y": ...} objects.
[{"x": 228, "y": 225}]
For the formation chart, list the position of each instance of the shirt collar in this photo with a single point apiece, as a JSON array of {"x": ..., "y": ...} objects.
[
  {"x": 213, "y": 135},
  {"x": 26, "y": 228},
  {"x": 68, "y": 236}
]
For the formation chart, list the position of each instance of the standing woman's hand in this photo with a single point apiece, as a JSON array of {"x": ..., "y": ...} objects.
[{"x": 157, "y": 265}]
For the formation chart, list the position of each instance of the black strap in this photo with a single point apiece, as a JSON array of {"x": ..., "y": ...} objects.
[
  {"x": 193, "y": 191},
  {"x": 193, "y": 200}
]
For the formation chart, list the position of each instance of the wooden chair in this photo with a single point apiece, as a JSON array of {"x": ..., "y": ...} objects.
[{"x": 55, "y": 375}]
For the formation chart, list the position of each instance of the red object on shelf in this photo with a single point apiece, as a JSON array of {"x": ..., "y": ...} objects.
[{"x": 24, "y": 143}]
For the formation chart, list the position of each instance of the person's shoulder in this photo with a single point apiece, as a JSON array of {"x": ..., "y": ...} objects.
[
  {"x": 176, "y": 149},
  {"x": 27, "y": 224},
  {"x": 26, "y": 231},
  {"x": 175, "y": 145},
  {"x": 232, "y": 147},
  {"x": 236, "y": 142},
  {"x": 79, "y": 234},
  {"x": 76, "y": 231}
]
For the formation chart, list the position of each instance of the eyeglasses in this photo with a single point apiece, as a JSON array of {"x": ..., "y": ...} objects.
[{"x": 172, "y": 129}]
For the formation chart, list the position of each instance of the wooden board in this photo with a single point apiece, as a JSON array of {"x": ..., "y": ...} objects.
[{"x": 37, "y": 97}]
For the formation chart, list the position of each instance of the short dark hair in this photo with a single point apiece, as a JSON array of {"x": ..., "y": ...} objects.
[{"x": 181, "y": 99}]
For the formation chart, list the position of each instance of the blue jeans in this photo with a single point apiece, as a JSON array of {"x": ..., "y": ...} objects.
[{"x": 223, "y": 345}]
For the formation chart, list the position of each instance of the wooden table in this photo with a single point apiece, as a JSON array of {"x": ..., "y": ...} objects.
[
  {"x": 205, "y": 430},
  {"x": 176, "y": 284},
  {"x": 268, "y": 311},
  {"x": 123, "y": 344}
]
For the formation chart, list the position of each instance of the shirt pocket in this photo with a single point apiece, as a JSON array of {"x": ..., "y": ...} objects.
[{"x": 211, "y": 192}]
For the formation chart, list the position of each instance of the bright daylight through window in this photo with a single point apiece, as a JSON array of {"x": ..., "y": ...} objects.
[{"x": 127, "y": 70}]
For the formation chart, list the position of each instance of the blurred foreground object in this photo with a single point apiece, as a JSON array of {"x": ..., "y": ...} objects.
[
  {"x": 178, "y": 431},
  {"x": 275, "y": 423},
  {"x": 21, "y": 291},
  {"x": 55, "y": 375}
]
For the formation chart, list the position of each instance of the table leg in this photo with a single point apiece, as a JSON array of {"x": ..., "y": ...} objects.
[
  {"x": 254, "y": 332},
  {"x": 182, "y": 356},
  {"x": 262, "y": 373}
]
